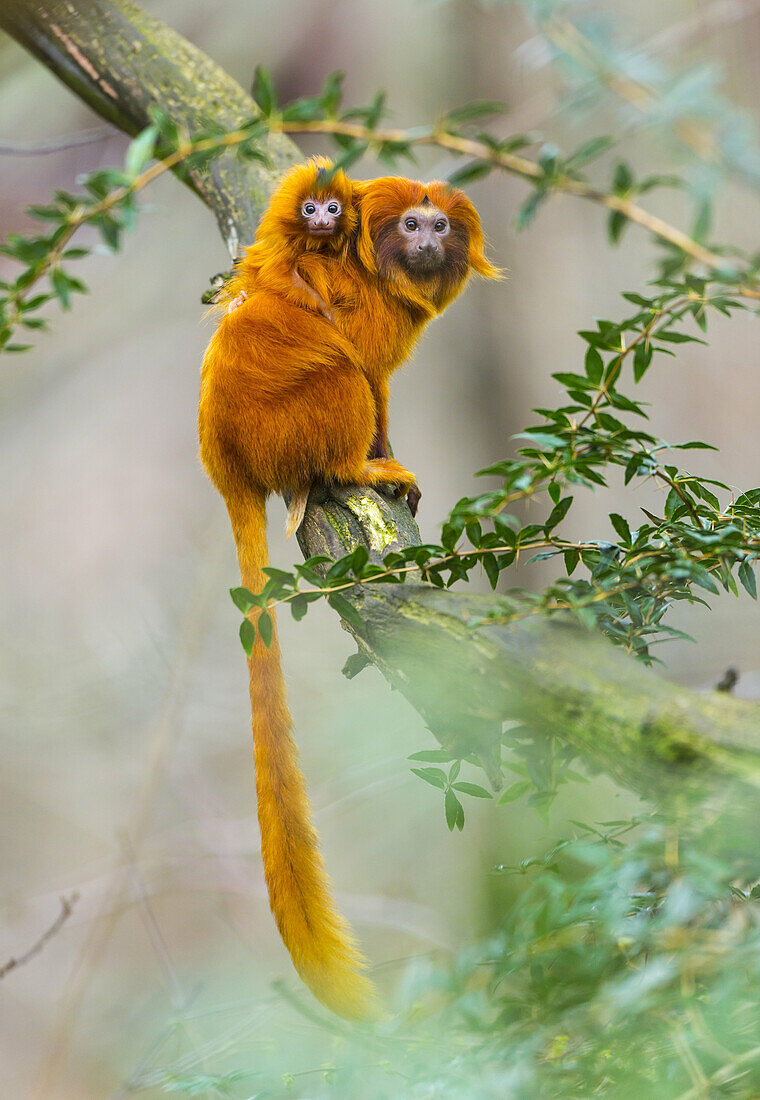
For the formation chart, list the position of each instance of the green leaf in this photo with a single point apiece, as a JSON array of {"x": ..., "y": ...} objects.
[
  {"x": 346, "y": 611},
  {"x": 141, "y": 151},
  {"x": 541, "y": 439},
  {"x": 247, "y": 635},
  {"x": 454, "y": 811},
  {"x": 517, "y": 790},
  {"x": 491, "y": 568},
  {"x": 263, "y": 90},
  {"x": 747, "y": 577},
  {"x": 642, "y": 357},
  {"x": 622, "y": 528},
  {"x": 264, "y": 627},
  {"x": 622, "y": 179},
  {"x": 478, "y": 109},
  {"x": 281, "y": 575},
  {"x": 431, "y": 756},
  {"x": 594, "y": 366},
  {"x": 242, "y": 599},
  {"x": 472, "y": 789},
  {"x": 529, "y": 209},
  {"x": 589, "y": 151},
  {"x": 558, "y": 513},
  {"x": 473, "y": 170},
  {"x": 434, "y": 776},
  {"x": 61, "y": 286},
  {"x": 359, "y": 559},
  {"x": 332, "y": 93},
  {"x": 572, "y": 557},
  {"x": 299, "y": 605},
  {"x": 616, "y": 223}
]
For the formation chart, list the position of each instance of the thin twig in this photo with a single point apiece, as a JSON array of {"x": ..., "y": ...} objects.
[
  {"x": 67, "y": 906},
  {"x": 55, "y": 145}
]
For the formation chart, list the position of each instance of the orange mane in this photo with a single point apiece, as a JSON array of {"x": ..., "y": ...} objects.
[{"x": 382, "y": 202}]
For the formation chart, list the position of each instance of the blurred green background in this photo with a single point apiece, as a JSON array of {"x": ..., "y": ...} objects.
[{"x": 127, "y": 771}]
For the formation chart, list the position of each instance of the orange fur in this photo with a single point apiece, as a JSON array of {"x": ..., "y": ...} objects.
[
  {"x": 287, "y": 398},
  {"x": 284, "y": 403},
  {"x": 281, "y": 247},
  {"x": 381, "y": 309}
]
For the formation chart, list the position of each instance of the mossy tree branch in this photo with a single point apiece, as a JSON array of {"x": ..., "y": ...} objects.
[
  {"x": 120, "y": 60},
  {"x": 553, "y": 676}
]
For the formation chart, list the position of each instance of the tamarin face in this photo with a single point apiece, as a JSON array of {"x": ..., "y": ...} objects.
[
  {"x": 425, "y": 243},
  {"x": 420, "y": 237},
  {"x": 423, "y": 233},
  {"x": 322, "y": 215}
]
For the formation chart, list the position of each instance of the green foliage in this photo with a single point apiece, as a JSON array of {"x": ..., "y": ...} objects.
[
  {"x": 703, "y": 540},
  {"x": 628, "y": 965},
  {"x": 629, "y": 962}
]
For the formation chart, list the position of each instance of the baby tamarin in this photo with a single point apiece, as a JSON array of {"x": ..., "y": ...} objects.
[{"x": 288, "y": 397}]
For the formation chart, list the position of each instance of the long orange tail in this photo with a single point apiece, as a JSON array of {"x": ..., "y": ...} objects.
[{"x": 319, "y": 940}]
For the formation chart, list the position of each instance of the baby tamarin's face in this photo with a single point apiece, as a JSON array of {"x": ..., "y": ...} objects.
[{"x": 321, "y": 216}]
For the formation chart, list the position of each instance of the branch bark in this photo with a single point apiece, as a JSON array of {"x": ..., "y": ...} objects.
[
  {"x": 120, "y": 60},
  {"x": 651, "y": 736}
]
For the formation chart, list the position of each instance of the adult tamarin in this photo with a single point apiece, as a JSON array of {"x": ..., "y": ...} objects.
[
  {"x": 411, "y": 255},
  {"x": 288, "y": 397}
]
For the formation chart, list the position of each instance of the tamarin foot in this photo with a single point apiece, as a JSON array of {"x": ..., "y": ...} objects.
[{"x": 380, "y": 472}]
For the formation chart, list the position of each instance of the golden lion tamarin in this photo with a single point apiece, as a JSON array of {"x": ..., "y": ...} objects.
[
  {"x": 289, "y": 397},
  {"x": 379, "y": 294}
]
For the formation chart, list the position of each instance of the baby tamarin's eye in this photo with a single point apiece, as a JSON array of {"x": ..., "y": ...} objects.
[
  {"x": 333, "y": 208},
  {"x": 308, "y": 208}
]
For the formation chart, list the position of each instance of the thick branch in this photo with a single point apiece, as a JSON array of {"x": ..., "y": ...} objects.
[
  {"x": 120, "y": 61},
  {"x": 555, "y": 677},
  {"x": 552, "y": 676}
]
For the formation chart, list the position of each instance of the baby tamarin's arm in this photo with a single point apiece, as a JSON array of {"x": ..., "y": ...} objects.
[{"x": 315, "y": 300}]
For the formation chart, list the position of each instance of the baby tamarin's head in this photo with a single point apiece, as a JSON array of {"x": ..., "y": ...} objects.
[
  {"x": 312, "y": 208},
  {"x": 422, "y": 238}
]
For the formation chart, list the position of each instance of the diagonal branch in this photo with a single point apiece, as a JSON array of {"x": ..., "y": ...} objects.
[{"x": 120, "y": 60}]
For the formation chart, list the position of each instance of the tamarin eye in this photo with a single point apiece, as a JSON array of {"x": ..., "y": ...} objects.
[
  {"x": 309, "y": 208},
  {"x": 333, "y": 208},
  {"x": 410, "y": 223},
  {"x": 440, "y": 226}
]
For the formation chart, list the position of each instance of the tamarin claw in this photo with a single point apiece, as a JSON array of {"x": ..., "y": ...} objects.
[{"x": 413, "y": 498}]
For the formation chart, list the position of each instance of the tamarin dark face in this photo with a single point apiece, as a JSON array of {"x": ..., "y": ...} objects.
[
  {"x": 424, "y": 242},
  {"x": 423, "y": 231},
  {"x": 321, "y": 216}
]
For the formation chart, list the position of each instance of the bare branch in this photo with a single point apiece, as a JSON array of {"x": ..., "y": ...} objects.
[
  {"x": 67, "y": 907},
  {"x": 55, "y": 145}
]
